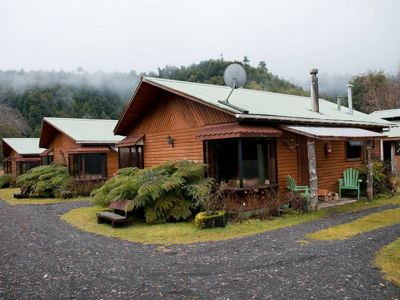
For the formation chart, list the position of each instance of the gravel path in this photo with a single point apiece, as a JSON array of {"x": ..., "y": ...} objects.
[{"x": 42, "y": 257}]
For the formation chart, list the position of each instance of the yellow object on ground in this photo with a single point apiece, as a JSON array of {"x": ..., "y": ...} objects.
[
  {"x": 8, "y": 196},
  {"x": 388, "y": 260},
  {"x": 364, "y": 224}
]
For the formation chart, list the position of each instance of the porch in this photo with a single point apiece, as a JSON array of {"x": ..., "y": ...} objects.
[{"x": 247, "y": 157}]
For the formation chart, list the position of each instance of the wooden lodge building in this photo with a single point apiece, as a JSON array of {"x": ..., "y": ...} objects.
[
  {"x": 86, "y": 146},
  {"x": 20, "y": 155},
  {"x": 256, "y": 139}
]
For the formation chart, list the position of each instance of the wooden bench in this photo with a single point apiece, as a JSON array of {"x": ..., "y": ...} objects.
[
  {"x": 112, "y": 217},
  {"x": 118, "y": 216}
]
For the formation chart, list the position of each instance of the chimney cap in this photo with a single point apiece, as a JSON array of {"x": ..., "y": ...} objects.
[
  {"x": 349, "y": 85},
  {"x": 313, "y": 71}
]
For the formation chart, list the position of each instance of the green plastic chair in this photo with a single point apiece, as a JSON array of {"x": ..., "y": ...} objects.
[
  {"x": 302, "y": 189},
  {"x": 350, "y": 181}
]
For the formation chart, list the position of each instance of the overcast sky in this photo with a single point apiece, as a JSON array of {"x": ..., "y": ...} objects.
[{"x": 120, "y": 35}]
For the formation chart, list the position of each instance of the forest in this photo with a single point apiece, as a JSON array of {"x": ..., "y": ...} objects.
[{"x": 28, "y": 96}]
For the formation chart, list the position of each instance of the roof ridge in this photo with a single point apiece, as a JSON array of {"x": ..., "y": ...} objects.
[{"x": 224, "y": 86}]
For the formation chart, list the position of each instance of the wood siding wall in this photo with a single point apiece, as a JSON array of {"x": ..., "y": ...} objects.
[{"x": 181, "y": 119}]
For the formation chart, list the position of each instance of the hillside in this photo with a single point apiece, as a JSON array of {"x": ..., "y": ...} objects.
[{"x": 27, "y": 97}]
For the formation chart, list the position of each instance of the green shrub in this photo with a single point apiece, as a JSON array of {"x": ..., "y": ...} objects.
[
  {"x": 210, "y": 219},
  {"x": 381, "y": 183},
  {"x": 45, "y": 181},
  {"x": 5, "y": 181},
  {"x": 168, "y": 191}
]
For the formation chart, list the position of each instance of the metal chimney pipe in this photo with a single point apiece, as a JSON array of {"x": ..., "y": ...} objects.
[
  {"x": 350, "y": 97},
  {"x": 314, "y": 90},
  {"x": 339, "y": 103}
]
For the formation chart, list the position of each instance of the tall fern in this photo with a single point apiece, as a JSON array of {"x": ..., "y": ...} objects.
[{"x": 169, "y": 191}]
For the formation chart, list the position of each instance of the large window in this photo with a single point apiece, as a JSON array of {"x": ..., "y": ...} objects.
[
  {"x": 7, "y": 167},
  {"x": 353, "y": 150},
  {"x": 130, "y": 157},
  {"x": 47, "y": 160},
  {"x": 88, "y": 165},
  {"x": 247, "y": 162},
  {"x": 23, "y": 166}
]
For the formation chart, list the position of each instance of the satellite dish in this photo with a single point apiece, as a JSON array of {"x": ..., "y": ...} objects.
[{"x": 235, "y": 76}]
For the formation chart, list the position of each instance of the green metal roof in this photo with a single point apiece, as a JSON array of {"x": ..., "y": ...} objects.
[
  {"x": 269, "y": 106},
  {"x": 24, "y": 146},
  {"x": 389, "y": 113},
  {"x": 87, "y": 131}
]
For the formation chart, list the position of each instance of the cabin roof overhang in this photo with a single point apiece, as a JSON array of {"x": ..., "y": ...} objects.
[
  {"x": 236, "y": 130},
  {"x": 333, "y": 133}
]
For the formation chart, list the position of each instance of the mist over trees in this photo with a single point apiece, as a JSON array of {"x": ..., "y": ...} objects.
[{"x": 28, "y": 96}]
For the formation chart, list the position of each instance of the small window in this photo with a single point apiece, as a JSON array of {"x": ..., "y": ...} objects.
[
  {"x": 131, "y": 157},
  {"x": 353, "y": 150},
  {"x": 397, "y": 148},
  {"x": 88, "y": 165}
]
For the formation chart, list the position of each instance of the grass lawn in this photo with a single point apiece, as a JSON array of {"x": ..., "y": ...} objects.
[
  {"x": 84, "y": 218},
  {"x": 7, "y": 195},
  {"x": 365, "y": 224},
  {"x": 388, "y": 259},
  {"x": 182, "y": 233}
]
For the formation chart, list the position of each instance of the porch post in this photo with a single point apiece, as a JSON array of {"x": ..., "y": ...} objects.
[
  {"x": 312, "y": 169},
  {"x": 392, "y": 158},
  {"x": 370, "y": 173},
  {"x": 240, "y": 157}
]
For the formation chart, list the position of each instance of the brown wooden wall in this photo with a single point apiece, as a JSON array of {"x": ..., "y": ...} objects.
[
  {"x": 112, "y": 163},
  {"x": 181, "y": 119},
  {"x": 287, "y": 160}
]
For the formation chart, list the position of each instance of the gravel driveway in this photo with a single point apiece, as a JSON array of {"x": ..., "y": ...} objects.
[{"x": 41, "y": 257}]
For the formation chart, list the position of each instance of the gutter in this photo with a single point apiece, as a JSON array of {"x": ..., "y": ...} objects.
[{"x": 307, "y": 120}]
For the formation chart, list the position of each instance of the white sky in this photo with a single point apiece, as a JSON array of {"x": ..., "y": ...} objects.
[{"x": 120, "y": 35}]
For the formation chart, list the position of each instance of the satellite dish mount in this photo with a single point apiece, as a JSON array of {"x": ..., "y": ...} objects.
[{"x": 235, "y": 77}]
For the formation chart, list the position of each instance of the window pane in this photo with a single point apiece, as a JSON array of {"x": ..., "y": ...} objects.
[
  {"x": 353, "y": 150},
  {"x": 140, "y": 157},
  {"x": 124, "y": 157},
  {"x": 224, "y": 161},
  {"x": 95, "y": 165},
  {"x": 253, "y": 162}
]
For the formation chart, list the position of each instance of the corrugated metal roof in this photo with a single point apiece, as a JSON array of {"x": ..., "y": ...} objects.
[
  {"x": 389, "y": 113},
  {"x": 327, "y": 133},
  {"x": 267, "y": 105},
  {"x": 24, "y": 146},
  {"x": 87, "y": 131},
  {"x": 235, "y": 130}
]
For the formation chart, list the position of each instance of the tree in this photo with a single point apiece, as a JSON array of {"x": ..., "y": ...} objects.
[{"x": 246, "y": 60}]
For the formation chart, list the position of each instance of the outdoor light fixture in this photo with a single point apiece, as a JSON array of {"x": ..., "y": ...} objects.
[{"x": 170, "y": 140}]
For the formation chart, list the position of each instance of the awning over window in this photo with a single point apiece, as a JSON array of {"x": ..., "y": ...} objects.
[
  {"x": 334, "y": 133},
  {"x": 78, "y": 150},
  {"x": 27, "y": 159},
  {"x": 131, "y": 140},
  {"x": 47, "y": 152},
  {"x": 236, "y": 130}
]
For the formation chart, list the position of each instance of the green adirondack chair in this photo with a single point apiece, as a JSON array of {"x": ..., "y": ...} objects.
[
  {"x": 302, "y": 189},
  {"x": 350, "y": 181}
]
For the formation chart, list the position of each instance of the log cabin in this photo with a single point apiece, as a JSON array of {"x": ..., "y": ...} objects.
[
  {"x": 390, "y": 145},
  {"x": 257, "y": 138},
  {"x": 86, "y": 146},
  {"x": 20, "y": 155}
]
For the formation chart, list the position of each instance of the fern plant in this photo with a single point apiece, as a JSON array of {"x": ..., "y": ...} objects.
[
  {"x": 170, "y": 191},
  {"x": 44, "y": 181}
]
